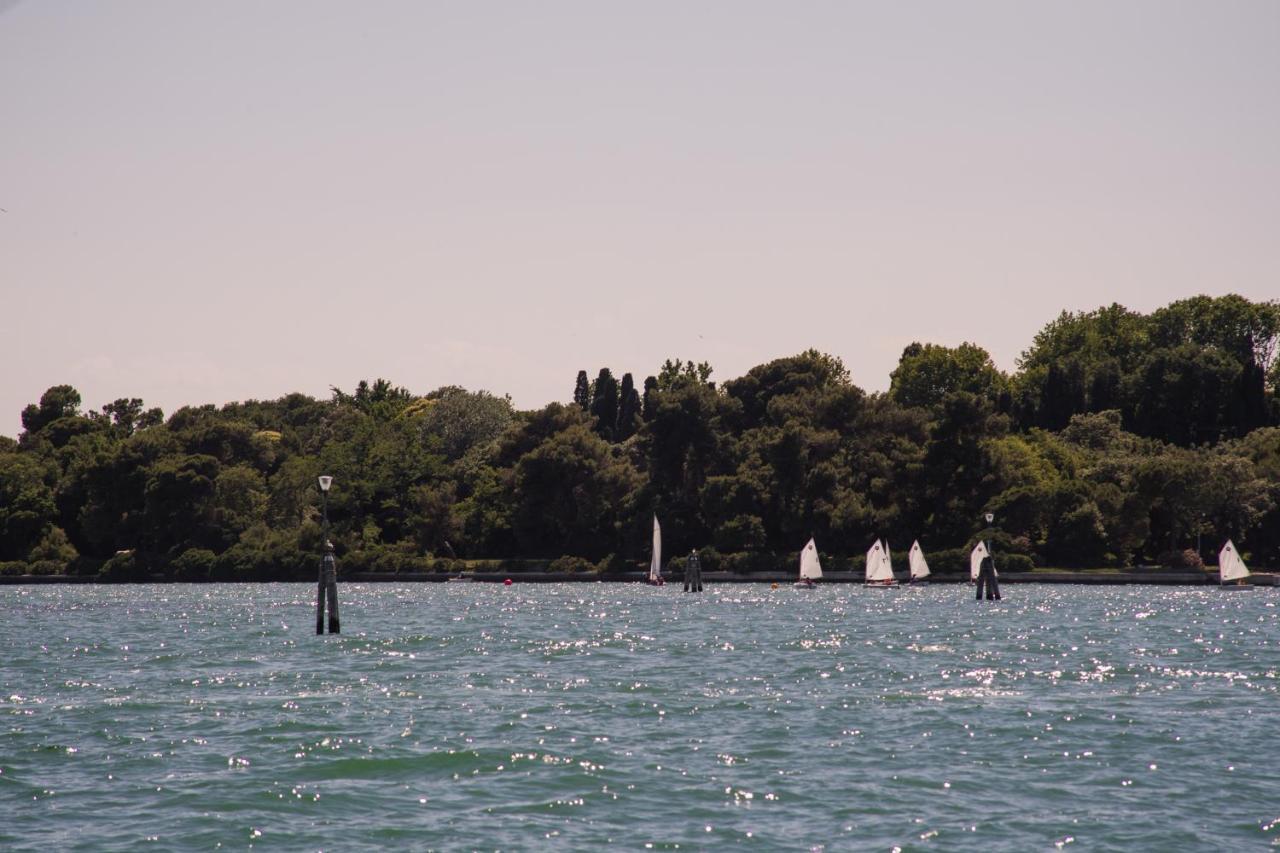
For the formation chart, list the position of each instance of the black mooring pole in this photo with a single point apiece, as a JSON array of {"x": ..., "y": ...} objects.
[
  {"x": 693, "y": 573},
  {"x": 328, "y": 585}
]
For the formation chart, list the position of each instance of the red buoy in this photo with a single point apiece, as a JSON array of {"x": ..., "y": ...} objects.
[{"x": 507, "y": 582}]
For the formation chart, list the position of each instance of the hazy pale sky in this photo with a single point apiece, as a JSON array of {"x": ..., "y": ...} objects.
[{"x": 207, "y": 202}]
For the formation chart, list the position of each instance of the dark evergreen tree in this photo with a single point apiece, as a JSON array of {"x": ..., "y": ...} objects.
[
  {"x": 646, "y": 403},
  {"x": 604, "y": 404},
  {"x": 1063, "y": 395},
  {"x": 582, "y": 391},
  {"x": 628, "y": 409}
]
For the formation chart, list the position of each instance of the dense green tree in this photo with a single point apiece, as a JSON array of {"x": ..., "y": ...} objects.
[
  {"x": 927, "y": 373},
  {"x": 127, "y": 414},
  {"x": 628, "y": 409},
  {"x": 582, "y": 391},
  {"x": 60, "y": 401},
  {"x": 646, "y": 401},
  {"x": 573, "y": 494},
  {"x": 1184, "y": 395},
  {"x": 462, "y": 420},
  {"x": 678, "y": 372},
  {"x": 604, "y": 404},
  {"x": 27, "y": 508}
]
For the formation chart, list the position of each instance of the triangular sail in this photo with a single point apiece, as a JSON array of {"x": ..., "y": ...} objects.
[
  {"x": 810, "y": 565},
  {"x": 877, "y": 565},
  {"x": 919, "y": 568},
  {"x": 888, "y": 562},
  {"x": 975, "y": 560},
  {"x": 1231, "y": 565},
  {"x": 655, "y": 564}
]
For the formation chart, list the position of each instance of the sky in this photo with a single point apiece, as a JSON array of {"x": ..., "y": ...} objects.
[{"x": 210, "y": 202}]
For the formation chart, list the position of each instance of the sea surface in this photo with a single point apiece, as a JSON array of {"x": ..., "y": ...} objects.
[{"x": 571, "y": 716}]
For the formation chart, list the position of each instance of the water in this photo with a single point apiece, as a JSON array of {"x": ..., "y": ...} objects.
[{"x": 470, "y": 716}]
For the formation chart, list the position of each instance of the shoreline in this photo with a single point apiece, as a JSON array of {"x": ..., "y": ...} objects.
[{"x": 1086, "y": 577}]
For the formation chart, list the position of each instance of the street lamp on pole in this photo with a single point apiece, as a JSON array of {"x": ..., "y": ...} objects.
[
  {"x": 328, "y": 569},
  {"x": 325, "y": 482}
]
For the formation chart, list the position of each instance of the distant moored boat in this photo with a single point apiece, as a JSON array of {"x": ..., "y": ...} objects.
[
  {"x": 879, "y": 567},
  {"x": 810, "y": 565},
  {"x": 1231, "y": 567},
  {"x": 655, "y": 562},
  {"x": 919, "y": 568}
]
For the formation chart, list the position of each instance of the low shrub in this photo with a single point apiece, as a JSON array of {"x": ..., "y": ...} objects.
[
  {"x": 615, "y": 566},
  {"x": 446, "y": 566},
  {"x": 750, "y": 562},
  {"x": 949, "y": 561},
  {"x": 1188, "y": 559},
  {"x": 1014, "y": 563},
  {"x": 571, "y": 566},
  {"x": 124, "y": 567},
  {"x": 45, "y": 568},
  {"x": 194, "y": 565}
]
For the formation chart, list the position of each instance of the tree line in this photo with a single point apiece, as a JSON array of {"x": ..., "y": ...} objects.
[{"x": 1122, "y": 438}]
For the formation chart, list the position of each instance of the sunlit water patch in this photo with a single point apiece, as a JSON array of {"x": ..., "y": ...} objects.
[{"x": 478, "y": 716}]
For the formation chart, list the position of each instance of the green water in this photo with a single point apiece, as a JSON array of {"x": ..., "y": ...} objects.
[{"x": 470, "y": 716}]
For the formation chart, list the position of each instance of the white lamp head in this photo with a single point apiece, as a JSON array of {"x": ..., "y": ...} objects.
[
  {"x": 325, "y": 482},
  {"x": 990, "y": 518}
]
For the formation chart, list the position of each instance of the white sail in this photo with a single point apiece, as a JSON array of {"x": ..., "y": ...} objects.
[
  {"x": 919, "y": 568},
  {"x": 1231, "y": 565},
  {"x": 878, "y": 569},
  {"x": 810, "y": 565},
  {"x": 975, "y": 560},
  {"x": 888, "y": 563},
  {"x": 655, "y": 564}
]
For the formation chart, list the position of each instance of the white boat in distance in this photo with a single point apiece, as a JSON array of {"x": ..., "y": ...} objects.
[
  {"x": 655, "y": 563},
  {"x": 975, "y": 561},
  {"x": 1231, "y": 567},
  {"x": 810, "y": 565},
  {"x": 879, "y": 568},
  {"x": 919, "y": 567}
]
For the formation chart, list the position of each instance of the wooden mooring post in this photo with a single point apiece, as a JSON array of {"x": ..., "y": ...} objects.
[
  {"x": 328, "y": 587},
  {"x": 693, "y": 573}
]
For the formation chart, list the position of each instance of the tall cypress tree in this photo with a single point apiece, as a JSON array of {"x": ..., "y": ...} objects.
[
  {"x": 650, "y": 386},
  {"x": 628, "y": 409},
  {"x": 582, "y": 391},
  {"x": 604, "y": 404}
]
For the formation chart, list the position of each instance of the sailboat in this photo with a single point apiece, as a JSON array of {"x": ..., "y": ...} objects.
[
  {"x": 1231, "y": 567},
  {"x": 975, "y": 560},
  {"x": 810, "y": 566},
  {"x": 655, "y": 563},
  {"x": 879, "y": 568},
  {"x": 919, "y": 568}
]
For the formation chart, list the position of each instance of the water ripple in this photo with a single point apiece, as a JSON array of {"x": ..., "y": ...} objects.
[{"x": 469, "y": 715}]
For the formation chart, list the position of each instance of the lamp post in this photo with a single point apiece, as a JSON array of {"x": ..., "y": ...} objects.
[
  {"x": 990, "y": 518},
  {"x": 328, "y": 586},
  {"x": 325, "y": 482}
]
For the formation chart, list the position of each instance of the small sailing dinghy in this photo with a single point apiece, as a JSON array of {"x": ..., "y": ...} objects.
[
  {"x": 1231, "y": 567},
  {"x": 655, "y": 563},
  {"x": 975, "y": 561},
  {"x": 810, "y": 566},
  {"x": 879, "y": 568},
  {"x": 919, "y": 568}
]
